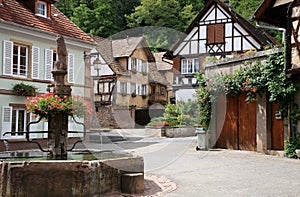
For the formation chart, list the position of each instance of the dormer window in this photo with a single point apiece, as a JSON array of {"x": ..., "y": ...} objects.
[{"x": 42, "y": 9}]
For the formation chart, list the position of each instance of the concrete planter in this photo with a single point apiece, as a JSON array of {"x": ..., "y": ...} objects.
[{"x": 171, "y": 132}]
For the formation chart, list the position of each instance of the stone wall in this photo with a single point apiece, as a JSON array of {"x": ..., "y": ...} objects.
[
  {"x": 67, "y": 178},
  {"x": 116, "y": 117}
]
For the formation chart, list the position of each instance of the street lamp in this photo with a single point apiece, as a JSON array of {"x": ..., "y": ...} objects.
[{"x": 97, "y": 65}]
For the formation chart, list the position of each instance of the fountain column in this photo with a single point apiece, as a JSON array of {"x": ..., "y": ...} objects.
[{"x": 58, "y": 121}]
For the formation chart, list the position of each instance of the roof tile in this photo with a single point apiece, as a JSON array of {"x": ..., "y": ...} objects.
[{"x": 17, "y": 13}]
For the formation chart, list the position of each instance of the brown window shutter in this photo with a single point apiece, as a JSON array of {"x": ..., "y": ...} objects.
[
  {"x": 176, "y": 64},
  {"x": 210, "y": 34},
  {"x": 219, "y": 33}
]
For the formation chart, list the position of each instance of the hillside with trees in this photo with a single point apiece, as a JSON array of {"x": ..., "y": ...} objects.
[{"x": 109, "y": 17}]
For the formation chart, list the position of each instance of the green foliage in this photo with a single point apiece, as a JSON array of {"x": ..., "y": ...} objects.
[
  {"x": 24, "y": 89},
  {"x": 290, "y": 147},
  {"x": 171, "y": 115},
  {"x": 254, "y": 78},
  {"x": 98, "y": 17},
  {"x": 203, "y": 101},
  {"x": 183, "y": 113}
]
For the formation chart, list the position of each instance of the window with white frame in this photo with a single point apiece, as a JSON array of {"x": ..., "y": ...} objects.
[
  {"x": 189, "y": 66},
  {"x": 42, "y": 9},
  {"x": 14, "y": 120},
  {"x": 123, "y": 87},
  {"x": 144, "y": 90},
  {"x": 20, "y": 60},
  {"x": 132, "y": 88},
  {"x": 16, "y": 58},
  {"x": 144, "y": 67}
]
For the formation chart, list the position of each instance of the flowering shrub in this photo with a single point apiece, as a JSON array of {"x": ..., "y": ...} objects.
[
  {"x": 44, "y": 104},
  {"x": 24, "y": 89}
]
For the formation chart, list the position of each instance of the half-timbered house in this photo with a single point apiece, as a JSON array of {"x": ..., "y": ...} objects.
[
  {"x": 126, "y": 81},
  {"x": 216, "y": 32}
]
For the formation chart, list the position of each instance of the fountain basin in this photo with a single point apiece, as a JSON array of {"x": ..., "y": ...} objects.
[{"x": 94, "y": 177}]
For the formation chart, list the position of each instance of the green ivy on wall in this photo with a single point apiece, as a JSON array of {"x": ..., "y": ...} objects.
[{"x": 254, "y": 78}]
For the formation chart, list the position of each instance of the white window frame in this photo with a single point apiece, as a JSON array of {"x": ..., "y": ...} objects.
[
  {"x": 17, "y": 65},
  {"x": 42, "y": 11},
  {"x": 133, "y": 88},
  {"x": 123, "y": 87},
  {"x": 144, "y": 89},
  {"x": 189, "y": 66}
]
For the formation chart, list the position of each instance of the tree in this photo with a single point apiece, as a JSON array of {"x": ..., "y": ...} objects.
[{"x": 95, "y": 18}]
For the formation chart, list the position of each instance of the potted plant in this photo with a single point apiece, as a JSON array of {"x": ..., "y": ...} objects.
[
  {"x": 22, "y": 89},
  {"x": 49, "y": 103},
  {"x": 133, "y": 94}
]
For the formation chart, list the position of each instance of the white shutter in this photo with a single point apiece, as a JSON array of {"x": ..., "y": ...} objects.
[
  {"x": 147, "y": 65},
  {"x": 118, "y": 86},
  {"x": 129, "y": 63},
  {"x": 128, "y": 88},
  {"x": 6, "y": 120},
  {"x": 33, "y": 127},
  {"x": 48, "y": 64},
  {"x": 7, "y": 57},
  {"x": 139, "y": 89},
  {"x": 45, "y": 129},
  {"x": 35, "y": 62},
  {"x": 139, "y": 65},
  {"x": 147, "y": 90},
  {"x": 71, "y": 68},
  {"x": 71, "y": 127}
]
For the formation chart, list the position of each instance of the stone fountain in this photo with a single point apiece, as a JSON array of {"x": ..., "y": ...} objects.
[{"x": 58, "y": 175}]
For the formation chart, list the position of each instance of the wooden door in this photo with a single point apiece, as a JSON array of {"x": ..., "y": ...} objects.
[
  {"x": 277, "y": 129},
  {"x": 247, "y": 124},
  {"x": 239, "y": 128},
  {"x": 227, "y": 138}
]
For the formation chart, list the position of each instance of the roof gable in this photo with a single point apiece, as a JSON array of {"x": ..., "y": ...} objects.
[
  {"x": 126, "y": 47},
  {"x": 234, "y": 34},
  {"x": 104, "y": 47},
  {"x": 273, "y": 12},
  {"x": 16, "y": 13}
]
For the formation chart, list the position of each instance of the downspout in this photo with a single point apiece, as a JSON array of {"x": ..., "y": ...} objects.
[
  {"x": 273, "y": 28},
  {"x": 288, "y": 65}
]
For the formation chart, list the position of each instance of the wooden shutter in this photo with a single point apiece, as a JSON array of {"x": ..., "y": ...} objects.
[
  {"x": 48, "y": 64},
  {"x": 7, "y": 57},
  {"x": 210, "y": 34},
  {"x": 219, "y": 33},
  {"x": 176, "y": 64},
  {"x": 71, "y": 68},
  {"x": 35, "y": 62},
  {"x": 6, "y": 119}
]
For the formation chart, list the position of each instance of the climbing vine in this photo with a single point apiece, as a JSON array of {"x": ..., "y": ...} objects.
[{"x": 254, "y": 78}]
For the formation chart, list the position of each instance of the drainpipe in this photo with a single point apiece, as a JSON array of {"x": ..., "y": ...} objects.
[{"x": 274, "y": 28}]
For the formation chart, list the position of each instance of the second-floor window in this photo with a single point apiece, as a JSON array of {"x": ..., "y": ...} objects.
[
  {"x": 20, "y": 60},
  {"x": 189, "y": 66},
  {"x": 42, "y": 9},
  {"x": 137, "y": 65},
  {"x": 123, "y": 88}
]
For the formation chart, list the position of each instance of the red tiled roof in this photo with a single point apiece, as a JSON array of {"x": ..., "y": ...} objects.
[{"x": 16, "y": 12}]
